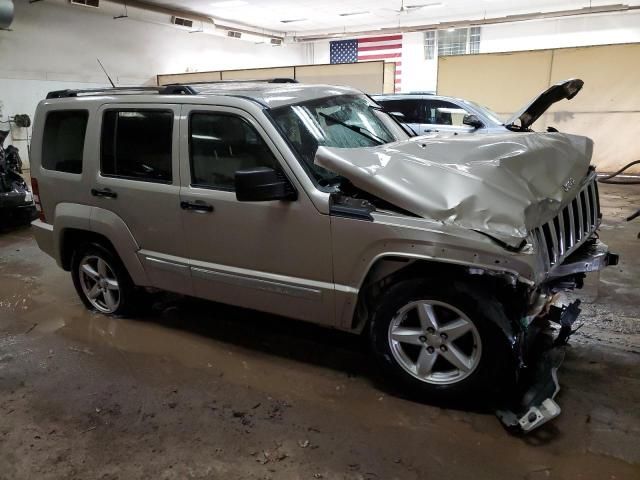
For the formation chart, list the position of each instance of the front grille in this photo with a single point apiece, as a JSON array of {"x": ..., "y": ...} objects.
[{"x": 571, "y": 227}]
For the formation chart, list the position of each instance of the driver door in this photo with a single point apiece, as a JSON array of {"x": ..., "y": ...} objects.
[{"x": 272, "y": 256}]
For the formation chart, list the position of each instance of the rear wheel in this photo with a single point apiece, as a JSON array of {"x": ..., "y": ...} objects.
[
  {"x": 441, "y": 342},
  {"x": 101, "y": 280}
]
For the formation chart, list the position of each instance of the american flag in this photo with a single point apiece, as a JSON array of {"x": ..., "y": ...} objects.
[{"x": 387, "y": 48}]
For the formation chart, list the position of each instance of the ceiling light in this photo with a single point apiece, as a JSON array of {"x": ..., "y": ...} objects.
[
  {"x": 422, "y": 5},
  {"x": 292, "y": 20},
  {"x": 451, "y": 29},
  {"x": 229, "y": 3},
  {"x": 350, "y": 14}
]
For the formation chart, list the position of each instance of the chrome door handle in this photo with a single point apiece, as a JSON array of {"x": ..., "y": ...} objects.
[
  {"x": 106, "y": 192},
  {"x": 197, "y": 207}
]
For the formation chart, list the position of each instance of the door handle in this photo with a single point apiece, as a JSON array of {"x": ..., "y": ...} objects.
[
  {"x": 103, "y": 193},
  {"x": 197, "y": 206}
]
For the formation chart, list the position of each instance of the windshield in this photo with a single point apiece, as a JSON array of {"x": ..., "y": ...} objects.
[
  {"x": 490, "y": 114},
  {"x": 345, "y": 121}
]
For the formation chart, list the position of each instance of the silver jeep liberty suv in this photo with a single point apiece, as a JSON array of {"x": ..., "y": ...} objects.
[{"x": 308, "y": 201}]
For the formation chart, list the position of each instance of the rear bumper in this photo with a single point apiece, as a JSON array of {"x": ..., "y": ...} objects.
[{"x": 43, "y": 232}]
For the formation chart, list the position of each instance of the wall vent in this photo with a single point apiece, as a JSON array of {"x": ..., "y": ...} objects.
[
  {"x": 86, "y": 3},
  {"x": 233, "y": 34},
  {"x": 276, "y": 42},
  {"x": 183, "y": 22}
]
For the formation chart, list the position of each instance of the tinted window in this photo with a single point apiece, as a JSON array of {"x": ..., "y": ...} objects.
[
  {"x": 413, "y": 110},
  {"x": 222, "y": 144},
  {"x": 440, "y": 112},
  {"x": 63, "y": 140},
  {"x": 136, "y": 144}
]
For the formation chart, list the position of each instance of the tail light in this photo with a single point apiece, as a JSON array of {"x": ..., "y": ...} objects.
[{"x": 36, "y": 198}]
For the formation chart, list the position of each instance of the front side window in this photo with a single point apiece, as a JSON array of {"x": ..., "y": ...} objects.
[
  {"x": 445, "y": 113},
  {"x": 137, "y": 144},
  {"x": 63, "y": 140},
  {"x": 222, "y": 144},
  {"x": 344, "y": 121}
]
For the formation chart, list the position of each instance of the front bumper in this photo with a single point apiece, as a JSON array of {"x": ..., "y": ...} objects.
[
  {"x": 539, "y": 385},
  {"x": 592, "y": 256}
]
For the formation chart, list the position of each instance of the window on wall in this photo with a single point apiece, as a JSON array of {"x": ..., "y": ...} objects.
[
  {"x": 453, "y": 41},
  {"x": 474, "y": 40},
  {"x": 430, "y": 45}
]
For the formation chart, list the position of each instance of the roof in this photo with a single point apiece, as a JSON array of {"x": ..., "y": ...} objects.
[
  {"x": 274, "y": 94},
  {"x": 269, "y": 94}
]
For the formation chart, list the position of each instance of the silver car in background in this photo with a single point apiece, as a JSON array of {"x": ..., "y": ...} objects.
[{"x": 427, "y": 113}]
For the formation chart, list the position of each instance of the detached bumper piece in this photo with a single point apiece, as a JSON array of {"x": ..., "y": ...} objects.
[{"x": 537, "y": 406}]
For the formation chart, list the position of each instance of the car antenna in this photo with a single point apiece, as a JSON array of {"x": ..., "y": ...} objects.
[{"x": 105, "y": 72}]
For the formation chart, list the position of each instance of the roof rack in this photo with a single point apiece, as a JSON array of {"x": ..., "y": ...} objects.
[
  {"x": 171, "y": 89},
  {"x": 162, "y": 90}
]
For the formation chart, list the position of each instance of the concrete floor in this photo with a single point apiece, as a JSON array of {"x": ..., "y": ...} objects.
[{"x": 201, "y": 390}]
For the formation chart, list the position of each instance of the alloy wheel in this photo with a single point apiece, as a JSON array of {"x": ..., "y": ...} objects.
[
  {"x": 99, "y": 283},
  {"x": 435, "y": 342}
]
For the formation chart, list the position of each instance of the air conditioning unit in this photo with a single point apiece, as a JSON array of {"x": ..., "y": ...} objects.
[
  {"x": 276, "y": 42},
  {"x": 233, "y": 34},
  {"x": 182, "y": 22},
  {"x": 86, "y": 3}
]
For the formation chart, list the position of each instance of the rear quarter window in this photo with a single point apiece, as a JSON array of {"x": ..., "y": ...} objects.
[{"x": 63, "y": 140}]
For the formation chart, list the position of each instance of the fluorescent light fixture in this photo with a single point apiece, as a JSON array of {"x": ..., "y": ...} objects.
[
  {"x": 422, "y": 5},
  {"x": 293, "y": 20},
  {"x": 229, "y": 3},
  {"x": 351, "y": 14}
]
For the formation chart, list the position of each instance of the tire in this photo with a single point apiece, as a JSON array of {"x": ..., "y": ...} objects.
[
  {"x": 472, "y": 361},
  {"x": 97, "y": 270}
]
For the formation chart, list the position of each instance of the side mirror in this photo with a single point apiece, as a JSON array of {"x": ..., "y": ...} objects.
[
  {"x": 472, "y": 121},
  {"x": 262, "y": 184}
]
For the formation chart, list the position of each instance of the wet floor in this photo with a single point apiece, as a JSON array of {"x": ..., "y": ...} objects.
[{"x": 194, "y": 389}]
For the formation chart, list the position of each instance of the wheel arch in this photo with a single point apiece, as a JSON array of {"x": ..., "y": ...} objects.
[
  {"x": 389, "y": 269},
  {"x": 77, "y": 224}
]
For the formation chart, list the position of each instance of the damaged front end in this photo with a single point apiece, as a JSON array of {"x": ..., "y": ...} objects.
[{"x": 534, "y": 195}]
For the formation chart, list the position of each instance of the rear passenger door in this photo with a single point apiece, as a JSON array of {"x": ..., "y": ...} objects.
[
  {"x": 412, "y": 110},
  {"x": 443, "y": 116},
  {"x": 138, "y": 180}
]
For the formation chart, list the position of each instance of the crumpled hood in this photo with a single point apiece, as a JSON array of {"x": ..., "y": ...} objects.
[{"x": 500, "y": 184}]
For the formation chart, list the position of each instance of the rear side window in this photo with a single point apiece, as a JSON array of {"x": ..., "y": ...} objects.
[
  {"x": 63, "y": 140},
  {"x": 136, "y": 144},
  {"x": 413, "y": 110}
]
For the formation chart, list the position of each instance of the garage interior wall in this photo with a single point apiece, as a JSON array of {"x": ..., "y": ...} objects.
[
  {"x": 53, "y": 45},
  {"x": 607, "y": 109},
  {"x": 370, "y": 77},
  {"x": 420, "y": 74}
]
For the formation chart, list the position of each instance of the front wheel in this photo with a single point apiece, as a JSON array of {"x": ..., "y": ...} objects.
[
  {"x": 441, "y": 342},
  {"x": 101, "y": 280}
]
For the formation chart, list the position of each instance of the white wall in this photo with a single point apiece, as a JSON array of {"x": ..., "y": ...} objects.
[
  {"x": 54, "y": 45},
  {"x": 419, "y": 74},
  {"x": 579, "y": 31}
]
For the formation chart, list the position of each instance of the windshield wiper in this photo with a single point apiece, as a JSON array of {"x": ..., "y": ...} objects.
[{"x": 362, "y": 131}]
